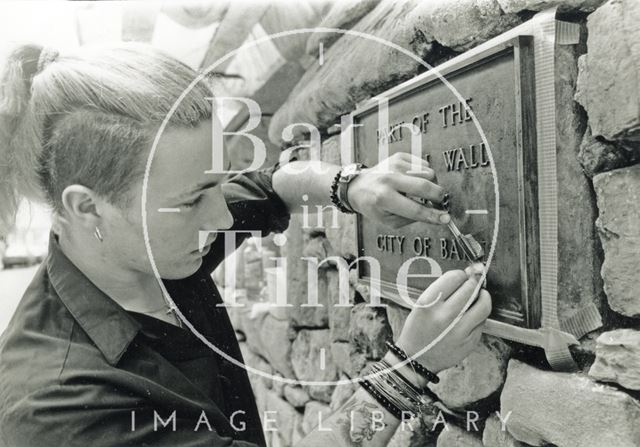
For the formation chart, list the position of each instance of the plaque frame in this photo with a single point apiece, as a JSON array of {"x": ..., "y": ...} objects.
[
  {"x": 552, "y": 335},
  {"x": 521, "y": 48}
]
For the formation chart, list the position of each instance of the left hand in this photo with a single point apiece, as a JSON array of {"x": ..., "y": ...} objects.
[{"x": 380, "y": 193}]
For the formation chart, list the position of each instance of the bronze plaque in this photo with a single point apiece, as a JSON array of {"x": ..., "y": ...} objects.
[{"x": 498, "y": 86}]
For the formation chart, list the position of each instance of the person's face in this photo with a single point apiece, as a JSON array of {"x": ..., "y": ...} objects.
[{"x": 181, "y": 202}]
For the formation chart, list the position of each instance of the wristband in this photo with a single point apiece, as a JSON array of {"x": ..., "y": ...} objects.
[
  {"x": 340, "y": 185},
  {"x": 334, "y": 194},
  {"x": 424, "y": 372},
  {"x": 407, "y": 383}
]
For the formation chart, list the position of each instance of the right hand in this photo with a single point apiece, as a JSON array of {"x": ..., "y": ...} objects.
[
  {"x": 423, "y": 325},
  {"x": 382, "y": 193}
]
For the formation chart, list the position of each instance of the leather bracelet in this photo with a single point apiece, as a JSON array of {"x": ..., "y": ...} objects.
[
  {"x": 424, "y": 372},
  {"x": 369, "y": 388}
]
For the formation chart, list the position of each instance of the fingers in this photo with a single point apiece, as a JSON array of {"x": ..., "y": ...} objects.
[
  {"x": 477, "y": 314},
  {"x": 459, "y": 298},
  {"x": 402, "y": 206},
  {"x": 474, "y": 337},
  {"x": 476, "y": 269},
  {"x": 443, "y": 287},
  {"x": 418, "y": 167},
  {"x": 408, "y": 175},
  {"x": 417, "y": 186},
  {"x": 406, "y": 163},
  {"x": 397, "y": 222}
]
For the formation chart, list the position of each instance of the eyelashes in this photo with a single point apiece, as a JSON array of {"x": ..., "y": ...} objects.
[
  {"x": 201, "y": 197},
  {"x": 194, "y": 203}
]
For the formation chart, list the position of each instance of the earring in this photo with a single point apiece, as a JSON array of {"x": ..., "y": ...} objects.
[{"x": 98, "y": 234}]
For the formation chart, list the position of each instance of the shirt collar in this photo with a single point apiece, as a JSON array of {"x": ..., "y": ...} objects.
[{"x": 108, "y": 325}]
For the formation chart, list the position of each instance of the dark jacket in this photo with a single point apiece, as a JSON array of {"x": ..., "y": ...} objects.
[{"x": 76, "y": 369}]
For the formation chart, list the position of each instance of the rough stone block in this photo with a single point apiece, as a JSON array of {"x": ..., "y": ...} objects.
[
  {"x": 298, "y": 269},
  {"x": 414, "y": 434},
  {"x": 260, "y": 392},
  {"x": 618, "y": 196},
  {"x": 305, "y": 315},
  {"x": 342, "y": 393},
  {"x": 255, "y": 361},
  {"x": 339, "y": 316},
  {"x": 342, "y": 15},
  {"x": 296, "y": 395},
  {"x": 282, "y": 418},
  {"x": 515, "y": 6},
  {"x": 341, "y": 233},
  {"x": 347, "y": 358},
  {"x": 292, "y": 249},
  {"x": 495, "y": 434},
  {"x": 462, "y": 24},
  {"x": 568, "y": 410},
  {"x": 309, "y": 347},
  {"x": 598, "y": 155},
  {"x": 478, "y": 377},
  {"x": 579, "y": 284},
  {"x": 327, "y": 91},
  {"x": 609, "y": 88},
  {"x": 330, "y": 150},
  {"x": 358, "y": 361},
  {"x": 278, "y": 385},
  {"x": 401, "y": 438},
  {"x": 271, "y": 338},
  {"x": 239, "y": 315},
  {"x": 314, "y": 414},
  {"x": 458, "y": 437},
  {"x": 276, "y": 335},
  {"x": 618, "y": 358},
  {"x": 369, "y": 330},
  {"x": 318, "y": 247},
  {"x": 423, "y": 28},
  {"x": 340, "y": 353}
]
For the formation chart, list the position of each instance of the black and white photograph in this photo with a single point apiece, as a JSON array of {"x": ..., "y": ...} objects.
[{"x": 312, "y": 223}]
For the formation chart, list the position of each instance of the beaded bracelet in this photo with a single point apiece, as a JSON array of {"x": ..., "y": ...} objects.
[
  {"x": 334, "y": 195},
  {"x": 424, "y": 372}
]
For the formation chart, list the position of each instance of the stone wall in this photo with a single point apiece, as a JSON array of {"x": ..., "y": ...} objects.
[{"x": 595, "y": 406}]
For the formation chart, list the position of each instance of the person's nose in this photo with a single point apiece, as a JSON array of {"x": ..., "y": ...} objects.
[
  {"x": 216, "y": 216},
  {"x": 226, "y": 220},
  {"x": 219, "y": 215}
]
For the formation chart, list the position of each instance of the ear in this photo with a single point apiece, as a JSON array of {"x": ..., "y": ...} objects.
[{"x": 82, "y": 205}]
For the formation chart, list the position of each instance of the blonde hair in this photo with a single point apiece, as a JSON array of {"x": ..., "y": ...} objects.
[{"x": 86, "y": 118}]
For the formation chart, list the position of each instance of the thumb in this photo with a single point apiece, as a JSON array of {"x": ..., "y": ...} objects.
[{"x": 442, "y": 288}]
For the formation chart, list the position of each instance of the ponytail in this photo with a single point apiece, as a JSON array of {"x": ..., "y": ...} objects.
[
  {"x": 20, "y": 142},
  {"x": 87, "y": 118}
]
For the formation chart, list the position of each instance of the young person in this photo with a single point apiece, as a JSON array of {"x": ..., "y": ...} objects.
[{"x": 95, "y": 353}]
